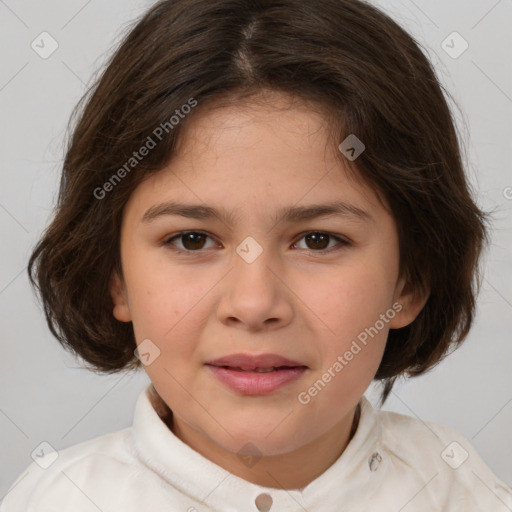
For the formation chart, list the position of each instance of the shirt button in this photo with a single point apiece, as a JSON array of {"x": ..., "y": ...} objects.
[
  {"x": 263, "y": 502},
  {"x": 374, "y": 461}
]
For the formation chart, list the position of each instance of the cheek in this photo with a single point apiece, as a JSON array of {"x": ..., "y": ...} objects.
[
  {"x": 167, "y": 304},
  {"x": 349, "y": 305},
  {"x": 349, "y": 300}
]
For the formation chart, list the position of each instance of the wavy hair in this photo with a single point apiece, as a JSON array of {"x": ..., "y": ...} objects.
[{"x": 349, "y": 59}]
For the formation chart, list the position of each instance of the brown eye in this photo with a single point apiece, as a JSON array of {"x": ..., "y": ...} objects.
[
  {"x": 191, "y": 241},
  {"x": 317, "y": 241}
]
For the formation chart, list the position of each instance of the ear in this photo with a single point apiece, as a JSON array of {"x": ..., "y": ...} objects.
[
  {"x": 411, "y": 302},
  {"x": 121, "y": 310}
]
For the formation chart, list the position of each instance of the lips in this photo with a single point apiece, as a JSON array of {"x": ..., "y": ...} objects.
[
  {"x": 258, "y": 363},
  {"x": 256, "y": 375}
]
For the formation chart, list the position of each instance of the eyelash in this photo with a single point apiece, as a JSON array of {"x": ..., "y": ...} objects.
[{"x": 342, "y": 242}]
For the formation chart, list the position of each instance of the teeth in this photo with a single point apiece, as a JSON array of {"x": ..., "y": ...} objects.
[{"x": 264, "y": 370}]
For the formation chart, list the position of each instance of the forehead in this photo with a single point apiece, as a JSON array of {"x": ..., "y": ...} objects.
[
  {"x": 270, "y": 152},
  {"x": 264, "y": 118}
]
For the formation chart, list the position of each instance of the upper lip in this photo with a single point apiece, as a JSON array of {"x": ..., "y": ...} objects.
[{"x": 252, "y": 362}]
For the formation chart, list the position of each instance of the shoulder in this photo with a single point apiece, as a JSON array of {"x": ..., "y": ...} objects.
[
  {"x": 441, "y": 464},
  {"x": 60, "y": 477}
]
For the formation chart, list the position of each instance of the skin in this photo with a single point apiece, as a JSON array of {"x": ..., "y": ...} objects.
[{"x": 301, "y": 299}]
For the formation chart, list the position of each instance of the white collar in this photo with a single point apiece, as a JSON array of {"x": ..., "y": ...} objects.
[{"x": 343, "y": 483}]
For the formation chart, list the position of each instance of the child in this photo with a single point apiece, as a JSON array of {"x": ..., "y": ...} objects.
[{"x": 263, "y": 205}]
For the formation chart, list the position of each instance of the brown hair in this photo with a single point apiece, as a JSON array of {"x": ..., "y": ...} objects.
[{"x": 366, "y": 74}]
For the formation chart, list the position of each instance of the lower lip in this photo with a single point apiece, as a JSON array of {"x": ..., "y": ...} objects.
[{"x": 253, "y": 383}]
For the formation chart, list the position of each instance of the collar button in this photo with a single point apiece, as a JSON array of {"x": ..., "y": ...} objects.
[{"x": 263, "y": 502}]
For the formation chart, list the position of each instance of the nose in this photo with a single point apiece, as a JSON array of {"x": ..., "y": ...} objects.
[{"x": 254, "y": 294}]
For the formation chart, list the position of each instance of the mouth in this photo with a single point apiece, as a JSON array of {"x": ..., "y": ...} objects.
[
  {"x": 256, "y": 375},
  {"x": 258, "y": 370},
  {"x": 261, "y": 363}
]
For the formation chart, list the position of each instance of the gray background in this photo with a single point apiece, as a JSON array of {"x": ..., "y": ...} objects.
[{"x": 46, "y": 396}]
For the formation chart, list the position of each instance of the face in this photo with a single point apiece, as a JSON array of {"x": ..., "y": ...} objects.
[{"x": 248, "y": 279}]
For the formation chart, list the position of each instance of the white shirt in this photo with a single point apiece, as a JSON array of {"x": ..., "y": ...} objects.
[{"x": 393, "y": 463}]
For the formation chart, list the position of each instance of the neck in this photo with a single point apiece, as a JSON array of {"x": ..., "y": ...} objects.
[{"x": 285, "y": 471}]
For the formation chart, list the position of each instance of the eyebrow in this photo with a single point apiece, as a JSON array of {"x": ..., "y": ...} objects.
[{"x": 287, "y": 214}]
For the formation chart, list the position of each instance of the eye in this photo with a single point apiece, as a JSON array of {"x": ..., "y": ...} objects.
[
  {"x": 319, "y": 240},
  {"x": 192, "y": 241}
]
